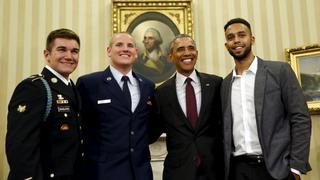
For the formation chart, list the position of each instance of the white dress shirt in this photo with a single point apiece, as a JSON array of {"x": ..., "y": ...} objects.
[
  {"x": 133, "y": 86},
  {"x": 245, "y": 133},
  {"x": 181, "y": 90},
  {"x": 63, "y": 79}
]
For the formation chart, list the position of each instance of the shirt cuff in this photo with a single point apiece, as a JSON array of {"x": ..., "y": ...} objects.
[{"x": 296, "y": 171}]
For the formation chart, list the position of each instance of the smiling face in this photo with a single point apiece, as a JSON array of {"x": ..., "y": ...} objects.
[
  {"x": 122, "y": 51},
  {"x": 239, "y": 41},
  {"x": 184, "y": 55},
  {"x": 63, "y": 57}
]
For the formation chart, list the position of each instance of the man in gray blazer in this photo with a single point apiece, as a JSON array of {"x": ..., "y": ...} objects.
[{"x": 266, "y": 122}]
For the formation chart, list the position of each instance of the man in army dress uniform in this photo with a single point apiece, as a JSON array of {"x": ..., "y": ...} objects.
[{"x": 40, "y": 147}]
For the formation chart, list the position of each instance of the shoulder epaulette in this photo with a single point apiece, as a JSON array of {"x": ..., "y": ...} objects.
[{"x": 35, "y": 77}]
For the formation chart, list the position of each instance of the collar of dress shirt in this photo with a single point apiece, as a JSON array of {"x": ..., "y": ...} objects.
[
  {"x": 180, "y": 79},
  {"x": 63, "y": 79},
  {"x": 252, "y": 68},
  {"x": 118, "y": 75}
]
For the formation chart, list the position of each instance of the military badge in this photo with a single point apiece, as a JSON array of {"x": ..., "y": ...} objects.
[
  {"x": 61, "y": 100},
  {"x": 64, "y": 127},
  {"x": 21, "y": 108},
  {"x": 60, "y": 96}
]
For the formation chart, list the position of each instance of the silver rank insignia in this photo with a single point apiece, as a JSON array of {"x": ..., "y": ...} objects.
[{"x": 21, "y": 108}]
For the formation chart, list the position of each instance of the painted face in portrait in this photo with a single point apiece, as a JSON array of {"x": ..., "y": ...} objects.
[
  {"x": 239, "y": 41},
  {"x": 122, "y": 50},
  {"x": 63, "y": 56},
  {"x": 149, "y": 41},
  {"x": 184, "y": 55}
]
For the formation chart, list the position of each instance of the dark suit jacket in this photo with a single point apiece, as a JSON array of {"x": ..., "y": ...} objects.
[
  {"x": 283, "y": 121},
  {"x": 116, "y": 142},
  {"x": 37, "y": 148},
  {"x": 183, "y": 142}
]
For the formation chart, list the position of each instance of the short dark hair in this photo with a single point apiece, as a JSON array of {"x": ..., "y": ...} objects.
[
  {"x": 180, "y": 36},
  {"x": 237, "y": 20},
  {"x": 61, "y": 33}
]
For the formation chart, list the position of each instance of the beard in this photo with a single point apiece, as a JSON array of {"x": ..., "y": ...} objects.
[{"x": 241, "y": 56}]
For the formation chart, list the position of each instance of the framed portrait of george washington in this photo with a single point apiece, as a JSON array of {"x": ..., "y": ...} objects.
[
  {"x": 153, "y": 24},
  {"x": 305, "y": 61}
]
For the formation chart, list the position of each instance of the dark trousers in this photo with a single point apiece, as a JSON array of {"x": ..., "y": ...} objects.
[
  {"x": 244, "y": 168},
  {"x": 63, "y": 178},
  {"x": 201, "y": 173}
]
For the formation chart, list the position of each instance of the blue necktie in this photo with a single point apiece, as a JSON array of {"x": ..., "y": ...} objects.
[{"x": 126, "y": 90}]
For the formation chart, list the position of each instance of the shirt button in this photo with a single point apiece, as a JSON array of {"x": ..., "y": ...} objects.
[
  {"x": 78, "y": 115},
  {"x": 132, "y": 132},
  {"x": 131, "y": 150},
  {"x": 81, "y": 141}
]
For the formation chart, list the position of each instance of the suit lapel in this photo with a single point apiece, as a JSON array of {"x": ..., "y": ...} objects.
[
  {"x": 171, "y": 93},
  {"x": 226, "y": 107},
  {"x": 206, "y": 91},
  {"x": 143, "y": 92},
  {"x": 259, "y": 88},
  {"x": 114, "y": 88},
  {"x": 77, "y": 95}
]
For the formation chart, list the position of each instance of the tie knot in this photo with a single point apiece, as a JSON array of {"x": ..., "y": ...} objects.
[
  {"x": 125, "y": 78},
  {"x": 188, "y": 80}
]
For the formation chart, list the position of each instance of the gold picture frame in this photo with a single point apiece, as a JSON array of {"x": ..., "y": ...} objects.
[
  {"x": 165, "y": 18},
  {"x": 305, "y": 61}
]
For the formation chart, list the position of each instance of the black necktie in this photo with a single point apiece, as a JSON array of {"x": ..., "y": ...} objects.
[
  {"x": 191, "y": 104},
  {"x": 126, "y": 90}
]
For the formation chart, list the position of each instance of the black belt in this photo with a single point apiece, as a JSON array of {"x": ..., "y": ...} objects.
[{"x": 253, "y": 159}]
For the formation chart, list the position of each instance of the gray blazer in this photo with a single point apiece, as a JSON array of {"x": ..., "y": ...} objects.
[{"x": 283, "y": 120}]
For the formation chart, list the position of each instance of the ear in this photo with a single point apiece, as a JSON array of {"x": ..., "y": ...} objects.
[
  {"x": 137, "y": 52},
  {"x": 170, "y": 57},
  {"x": 46, "y": 54},
  {"x": 253, "y": 39},
  {"x": 108, "y": 51}
]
